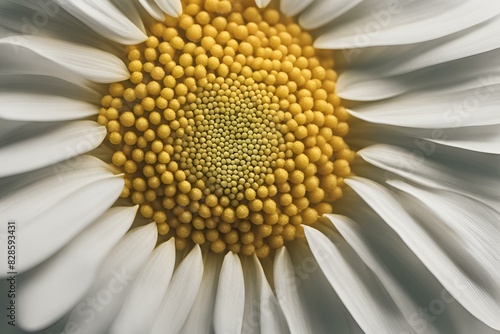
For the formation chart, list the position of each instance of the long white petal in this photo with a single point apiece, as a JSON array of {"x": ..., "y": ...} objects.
[
  {"x": 26, "y": 64},
  {"x": 180, "y": 295},
  {"x": 147, "y": 292},
  {"x": 286, "y": 291},
  {"x": 81, "y": 200},
  {"x": 351, "y": 232},
  {"x": 469, "y": 229},
  {"x": 39, "y": 241},
  {"x": 320, "y": 12},
  {"x": 82, "y": 163},
  {"x": 479, "y": 69},
  {"x": 7, "y": 328},
  {"x": 153, "y": 9},
  {"x": 407, "y": 164},
  {"x": 358, "y": 288},
  {"x": 171, "y": 7},
  {"x": 251, "y": 317},
  {"x": 436, "y": 307},
  {"x": 484, "y": 139},
  {"x": 448, "y": 107},
  {"x": 128, "y": 8},
  {"x": 64, "y": 278},
  {"x": 385, "y": 22},
  {"x": 104, "y": 18},
  {"x": 263, "y": 313},
  {"x": 88, "y": 62},
  {"x": 200, "y": 319},
  {"x": 471, "y": 295},
  {"x": 380, "y": 62},
  {"x": 38, "y": 145},
  {"x": 43, "y": 108},
  {"x": 61, "y": 82},
  {"x": 33, "y": 199},
  {"x": 116, "y": 276},
  {"x": 230, "y": 300}
]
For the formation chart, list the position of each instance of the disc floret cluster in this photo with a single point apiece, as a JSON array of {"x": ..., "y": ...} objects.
[{"x": 229, "y": 131}]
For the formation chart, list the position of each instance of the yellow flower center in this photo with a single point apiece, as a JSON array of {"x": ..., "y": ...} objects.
[{"x": 229, "y": 131}]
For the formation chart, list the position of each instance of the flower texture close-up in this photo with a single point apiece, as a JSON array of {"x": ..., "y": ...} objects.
[{"x": 250, "y": 166}]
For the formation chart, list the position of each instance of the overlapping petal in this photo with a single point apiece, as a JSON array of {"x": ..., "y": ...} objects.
[
  {"x": 200, "y": 319},
  {"x": 230, "y": 299},
  {"x": 479, "y": 298},
  {"x": 44, "y": 207},
  {"x": 88, "y": 62},
  {"x": 171, "y": 7},
  {"x": 105, "y": 19},
  {"x": 105, "y": 298},
  {"x": 181, "y": 294},
  {"x": 383, "y": 23},
  {"x": 147, "y": 291},
  {"x": 35, "y": 145},
  {"x": 65, "y": 277}
]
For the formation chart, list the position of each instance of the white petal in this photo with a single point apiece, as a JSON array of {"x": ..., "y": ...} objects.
[
  {"x": 252, "y": 312},
  {"x": 251, "y": 317},
  {"x": 33, "y": 199},
  {"x": 429, "y": 173},
  {"x": 478, "y": 69},
  {"x": 376, "y": 22},
  {"x": 262, "y": 311},
  {"x": 147, "y": 292},
  {"x": 321, "y": 12},
  {"x": 44, "y": 230},
  {"x": 39, "y": 145},
  {"x": 436, "y": 109},
  {"x": 6, "y": 328},
  {"x": 380, "y": 62},
  {"x": 358, "y": 288},
  {"x": 39, "y": 241},
  {"x": 262, "y": 3},
  {"x": 47, "y": 292},
  {"x": 484, "y": 139},
  {"x": 180, "y": 295},
  {"x": 104, "y": 300},
  {"x": 51, "y": 20},
  {"x": 153, "y": 9},
  {"x": 90, "y": 63},
  {"x": 27, "y": 62},
  {"x": 82, "y": 164},
  {"x": 105, "y": 19},
  {"x": 43, "y": 108},
  {"x": 353, "y": 236},
  {"x": 200, "y": 319},
  {"x": 230, "y": 300},
  {"x": 434, "y": 301},
  {"x": 472, "y": 296},
  {"x": 49, "y": 85},
  {"x": 171, "y": 7},
  {"x": 272, "y": 319},
  {"x": 290, "y": 7},
  {"x": 128, "y": 8},
  {"x": 469, "y": 230},
  {"x": 286, "y": 286}
]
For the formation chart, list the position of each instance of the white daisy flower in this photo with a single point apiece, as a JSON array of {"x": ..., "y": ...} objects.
[{"x": 200, "y": 167}]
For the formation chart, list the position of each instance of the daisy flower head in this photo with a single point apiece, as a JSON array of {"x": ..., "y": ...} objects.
[{"x": 241, "y": 166}]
